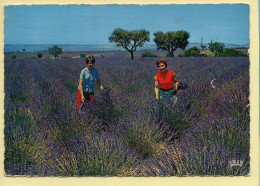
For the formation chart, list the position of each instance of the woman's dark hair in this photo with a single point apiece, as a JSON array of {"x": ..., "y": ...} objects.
[
  {"x": 161, "y": 61},
  {"x": 90, "y": 59}
]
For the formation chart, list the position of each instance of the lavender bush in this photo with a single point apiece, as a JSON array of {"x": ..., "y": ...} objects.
[{"x": 126, "y": 132}]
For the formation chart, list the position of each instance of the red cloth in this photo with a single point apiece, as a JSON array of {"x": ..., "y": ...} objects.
[
  {"x": 165, "y": 80},
  {"x": 90, "y": 98}
]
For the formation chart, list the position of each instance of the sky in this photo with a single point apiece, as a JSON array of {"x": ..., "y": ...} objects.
[{"x": 93, "y": 24}]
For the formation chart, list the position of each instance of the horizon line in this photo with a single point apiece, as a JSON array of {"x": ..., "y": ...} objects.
[{"x": 105, "y": 43}]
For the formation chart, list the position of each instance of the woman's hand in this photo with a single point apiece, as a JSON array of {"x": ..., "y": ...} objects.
[
  {"x": 82, "y": 98},
  {"x": 157, "y": 97},
  {"x": 101, "y": 88},
  {"x": 176, "y": 86},
  {"x": 100, "y": 84}
]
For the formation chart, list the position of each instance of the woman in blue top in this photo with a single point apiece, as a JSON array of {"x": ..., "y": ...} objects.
[{"x": 87, "y": 81}]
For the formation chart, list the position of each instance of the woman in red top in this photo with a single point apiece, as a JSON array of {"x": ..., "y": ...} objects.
[{"x": 165, "y": 81}]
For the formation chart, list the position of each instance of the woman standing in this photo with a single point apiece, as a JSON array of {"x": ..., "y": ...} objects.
[
  {"x": 165, "y": 82},
  {"x": 87, "y": 81}
]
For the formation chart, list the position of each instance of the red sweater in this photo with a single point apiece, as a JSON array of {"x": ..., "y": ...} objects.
[{"x": 165, "y": 80}]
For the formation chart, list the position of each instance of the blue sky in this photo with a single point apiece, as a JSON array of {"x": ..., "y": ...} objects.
[{"x": 93, "y": 24}]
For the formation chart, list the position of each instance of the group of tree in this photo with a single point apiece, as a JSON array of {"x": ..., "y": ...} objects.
[
  {"x": 55, "y": 51},
  {"x": 132, "y": 39},
  {"x": 39, "y": 55},
  {"x": 169, "y": 41},
  {"x": 217, "y": 48},
  {"x": 230, "y": 52}
]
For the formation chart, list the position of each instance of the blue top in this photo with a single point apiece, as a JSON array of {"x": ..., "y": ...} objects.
[{"x": 88, "y": 78}]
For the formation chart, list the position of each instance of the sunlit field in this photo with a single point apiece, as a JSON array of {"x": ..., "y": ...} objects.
[{"x": 127, "y": 132}]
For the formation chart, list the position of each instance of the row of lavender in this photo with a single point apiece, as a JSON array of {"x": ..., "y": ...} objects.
[{"x": 127, "y": 132}]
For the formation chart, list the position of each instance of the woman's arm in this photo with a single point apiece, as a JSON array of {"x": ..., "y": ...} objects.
[
  {"x": 100, "y": 84},
  {"x": 81, "y": 90},
  {"x": 176, "y": 82},
  {"x": 156, "y": 88}
]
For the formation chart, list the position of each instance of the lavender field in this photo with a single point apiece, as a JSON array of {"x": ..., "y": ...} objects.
[{"x": 127, "y": 132}]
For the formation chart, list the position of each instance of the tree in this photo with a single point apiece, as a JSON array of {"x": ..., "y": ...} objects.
[
  {"x": 55, "y": 51},
  {"x": 170, "y": 41},
  {"x": 39, "y": 55},
  {"x": 82, "y": 55},
  {"x": 129, "y": 40},
  {"x": 216, "y": 47},
  {"x": 194, "y": 51},
  {"x": 203, "y": 47},
  {"x": 23, "y": 49}
]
